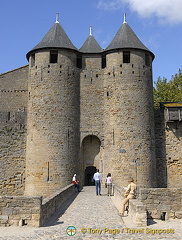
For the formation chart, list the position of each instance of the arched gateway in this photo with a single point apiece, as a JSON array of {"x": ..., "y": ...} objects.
[{"x": 90, "y": 157}]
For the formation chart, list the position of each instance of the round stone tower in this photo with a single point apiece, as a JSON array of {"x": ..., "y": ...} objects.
[
  {"x": 128, "y": 110},
  {"x": 53, "y": 113}
]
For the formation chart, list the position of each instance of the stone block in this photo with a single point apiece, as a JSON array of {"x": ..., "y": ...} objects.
[
  {"x": 4, "y": 220},
  {"x": 178, "y": 215},
  {"x": 164, "y": 208},
  {"x": 35, "y": 217},
  {"x": 7, "y": 211},
  {"x": 4, "y": 217}
]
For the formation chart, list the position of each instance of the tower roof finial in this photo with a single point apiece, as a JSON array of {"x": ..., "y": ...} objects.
[
  {"x": 57, "y": 17},
  {"x": 90, "y": 30},
  {"x": 125, "y": 18}
]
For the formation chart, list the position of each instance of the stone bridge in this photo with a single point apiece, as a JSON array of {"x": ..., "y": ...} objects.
[{"x": 87, "y": 216}]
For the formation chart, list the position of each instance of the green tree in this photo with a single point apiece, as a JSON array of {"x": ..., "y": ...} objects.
[{"x": 168, "y": 91}]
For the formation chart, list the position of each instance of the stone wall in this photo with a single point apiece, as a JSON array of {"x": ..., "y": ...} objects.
[
  {"x": 173, "y": 134},
  {"x": 162, "y": 200},
  {"x": 13, "y": 104},
  {"x": 168, "y": 151},
  {"x": 160, "y": 148},
  {"x": 33, "y": 211},
  {"x": 91, "y": 113},
  {"x": 128, "y": 119},
  {"x": 53, "y": 123},
  {"x": 58, "y": 200},
  {"x": 116, "y": 105},
  {"x": 12, "y": 154},
  {"x": 137, "y": 210},
  {"x": 20, "y": 211},
  {"x": 13, "y": 90}
]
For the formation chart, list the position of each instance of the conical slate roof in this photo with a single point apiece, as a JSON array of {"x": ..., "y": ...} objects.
[
  {"x": 91, "y": 46},
  {"x": 55, "y": 38},
  {"x": 126, "y": 38}
]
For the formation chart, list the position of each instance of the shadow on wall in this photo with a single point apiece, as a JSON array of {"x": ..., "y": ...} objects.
[{"x": 160, "y": 147}]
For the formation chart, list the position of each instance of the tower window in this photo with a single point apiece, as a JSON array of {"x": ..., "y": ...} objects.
[
  {"x": 33, "y": 60},
  {"x": 79, "y": 62},
  {"x": 103, "y": 61},
  {"x": 126, "y": 57},
  {"x": 147, "y": 62},
  {"x": 53, "y": 56}
]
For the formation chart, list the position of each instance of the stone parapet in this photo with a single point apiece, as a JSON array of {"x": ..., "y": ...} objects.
[
  {"x": 162, "y": 203},
  {"x": 20, "y": 211},
  {"x": 32, "y": 211},
  {"x": 117, "y": 198},
  {"x": 137, "y": 210},
  {"x": 56, "y": 201}
]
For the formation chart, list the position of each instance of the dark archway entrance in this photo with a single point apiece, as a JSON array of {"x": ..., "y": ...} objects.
[
  {"x": 90, "y": 157},
  {"x": 89, "y": 172}
]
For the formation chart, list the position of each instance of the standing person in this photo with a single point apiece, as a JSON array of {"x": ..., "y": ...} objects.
[
  {"x": 109, "y": 184},
  {"x": 97, "y": 179},
  {"x": 75, "y": 182},
  {"x": 130, "y": 193}
]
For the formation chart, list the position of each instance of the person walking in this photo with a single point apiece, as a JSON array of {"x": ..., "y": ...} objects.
[
  {"x": 109, "y": 184},
  {"x": 130, "y": 193},
  {"x": 97, "y": 179}
]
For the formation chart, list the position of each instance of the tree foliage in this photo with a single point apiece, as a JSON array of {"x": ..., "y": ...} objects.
[{"x": 168, "y": 91}]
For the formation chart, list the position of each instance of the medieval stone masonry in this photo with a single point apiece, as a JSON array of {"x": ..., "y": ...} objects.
[{"x": 74, "y": 110}]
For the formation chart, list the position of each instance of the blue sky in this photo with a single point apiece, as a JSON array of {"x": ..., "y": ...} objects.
[{"x": 157, "y": 23}]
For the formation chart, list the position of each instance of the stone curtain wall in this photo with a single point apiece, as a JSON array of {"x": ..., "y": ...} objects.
[
  {"x": 13, "y": 104},
  {"x": 168, "y": 151},
  {"x": 162, "y": 200},
  {"x": 91, "y": 113},
  {"x": 12, "y": 154},
  {"x": 173, "y": 134},
  {"x": 13, "y": 90}
]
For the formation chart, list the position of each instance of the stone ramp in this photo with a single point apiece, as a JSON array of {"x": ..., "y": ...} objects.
[{"x": 93, "y": 217}]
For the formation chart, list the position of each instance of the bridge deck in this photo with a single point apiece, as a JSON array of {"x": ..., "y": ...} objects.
[{"x": 94, "y": 217}]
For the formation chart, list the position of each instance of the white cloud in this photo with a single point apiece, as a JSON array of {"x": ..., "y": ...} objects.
[{"x": 166, "y": 10}]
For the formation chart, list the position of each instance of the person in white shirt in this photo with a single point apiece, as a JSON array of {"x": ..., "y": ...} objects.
[
  {"x": 97, "y": 179},
  {"x": 75, "y": 182}
]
